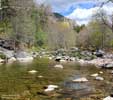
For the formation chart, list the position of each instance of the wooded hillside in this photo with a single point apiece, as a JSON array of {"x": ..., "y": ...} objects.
[{"x": 28, "y": 25}]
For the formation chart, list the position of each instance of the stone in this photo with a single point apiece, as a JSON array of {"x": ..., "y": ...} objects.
[
  {"x": 11, "y": 60},
  {"x": 23, "y": 56},
  {"x": 112, "y": 72},
  {"x": 57, "y": 59},
  {"x": 101, "y": 72},
  {"x": 35, "y": 54},
  {"x": 83, "y": 79},
  {"x": 2, "y": 60},
  {"x": 7, "y": 53},
  {"x": 108, "y": 98},
  {"x": 99, "y": 53},
  {"x": 33, "y": 72},
  {"x": 40, "y": 76},
  {"x": 62, "y": 61},
  {"x": 72, "y": 59},
  {"x": 50, "y": 58},
  {"x": 59, "y": 66},
  {"x": 25, "y": 60},
  {"x": 99, "y": 78},
  {"x": 110, "y": 65},
  {"x": 51, "y": 88},
  {"x": 94, "y": 75}
]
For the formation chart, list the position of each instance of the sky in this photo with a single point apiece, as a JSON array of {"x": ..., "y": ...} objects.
[{"x": 79, "y": 10}]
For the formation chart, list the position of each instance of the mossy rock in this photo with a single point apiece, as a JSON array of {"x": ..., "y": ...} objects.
[{"x": 2, "y": 56}]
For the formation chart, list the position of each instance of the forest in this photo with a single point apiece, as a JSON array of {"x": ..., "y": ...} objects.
[{"x": 27, "y": 24}]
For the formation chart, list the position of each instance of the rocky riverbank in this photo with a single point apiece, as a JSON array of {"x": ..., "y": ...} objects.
[{"x": 98, "y": 58}]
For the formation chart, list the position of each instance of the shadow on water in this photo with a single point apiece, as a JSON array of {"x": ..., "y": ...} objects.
[{"x": 76, "y": 91}]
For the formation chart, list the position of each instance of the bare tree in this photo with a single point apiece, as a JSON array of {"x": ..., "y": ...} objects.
[{"x": 105, "y": 19}]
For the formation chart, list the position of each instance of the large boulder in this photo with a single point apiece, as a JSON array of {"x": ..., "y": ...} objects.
[
  {"x": 11, "y": 60},
  {"x": 99, "y": 53},
  {"x": 23, "y": 56},
  {"x": 58, "y": 58},
  {"x": 7, "y": 53},
  {"x": 110, "y": 65}
]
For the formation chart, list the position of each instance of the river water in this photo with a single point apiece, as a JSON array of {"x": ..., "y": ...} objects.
[{"x": 15, "y": 80}]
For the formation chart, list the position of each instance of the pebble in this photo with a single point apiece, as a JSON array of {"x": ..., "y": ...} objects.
[{"x": 101, "y": 72}]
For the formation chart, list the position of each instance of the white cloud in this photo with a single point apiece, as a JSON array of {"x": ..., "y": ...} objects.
[
  {"x": 83, "y": 16},
  {"x": 60, "y": 5}
]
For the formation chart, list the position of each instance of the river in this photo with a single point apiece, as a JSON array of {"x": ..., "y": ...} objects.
[{"x": 15, "y": 80}]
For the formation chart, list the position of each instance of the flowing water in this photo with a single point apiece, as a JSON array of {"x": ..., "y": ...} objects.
[{"x": 15, "y": 80}]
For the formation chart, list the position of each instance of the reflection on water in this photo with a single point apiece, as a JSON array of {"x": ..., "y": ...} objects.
[{"x": 15, "y": 79}]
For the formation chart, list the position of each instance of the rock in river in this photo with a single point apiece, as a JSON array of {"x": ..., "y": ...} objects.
[
  {"x": 23, "y": 56},
  {"x": 2, "y": 60},
  {"x": 99, "y": 78},
  {"x": 108, "y": 98},
  {"x": 59, "y": 66},
  {"x": 110, "y": 65},
  {"x": 33, "y": 72},
  {"x": 83, "y": 79},
  {"x": 11, "y": 60},
  {"x": 51, "y": 88},
  {"x": 94, "y": 75}
]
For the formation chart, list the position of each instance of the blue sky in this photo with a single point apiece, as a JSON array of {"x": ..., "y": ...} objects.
[
  {"x": 82, "y": 5},
  {"x": 79, "y": 10}
]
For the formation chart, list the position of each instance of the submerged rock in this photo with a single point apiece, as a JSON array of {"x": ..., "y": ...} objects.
[
  {"x": 51, "y": 88},
  {"x": 83, "y": 79},
  {"x": 40, "y": 76},
  {"x": 33, "y": 72},
  {"x": 59, "y": 66}
]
